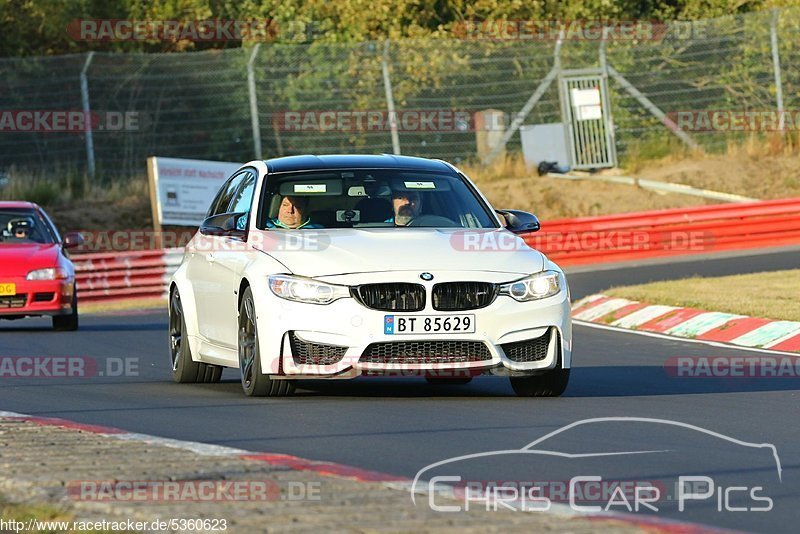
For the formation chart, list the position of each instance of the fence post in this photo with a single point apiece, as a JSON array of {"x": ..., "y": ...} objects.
[
  {"x": 611, "y": 140},
  {"x": 776, "y": 64},
  {"x": 251, "y": 86},
  {"x": 87, "y": 110},
  {"x": 387, "y": 86}
]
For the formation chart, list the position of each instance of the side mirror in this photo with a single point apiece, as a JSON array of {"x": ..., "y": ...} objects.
[
  {"x": 520, "y": 222},
  {"x": 72, "y": 240},
  {"x": 223, "y": 224}
]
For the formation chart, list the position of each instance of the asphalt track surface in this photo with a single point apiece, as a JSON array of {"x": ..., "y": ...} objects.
[{"x": 401, "y": 425}]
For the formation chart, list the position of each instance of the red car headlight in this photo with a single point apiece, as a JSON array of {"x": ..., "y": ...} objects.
[{"x": 56, "y": 273}]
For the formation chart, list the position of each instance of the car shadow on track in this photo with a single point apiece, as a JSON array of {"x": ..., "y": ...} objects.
[
  {"x": 397, "y": 388},
  {"x": 586, "y": 382},
  {"x": 593, "y": 381},
  {"x": 649, "y": 380}
]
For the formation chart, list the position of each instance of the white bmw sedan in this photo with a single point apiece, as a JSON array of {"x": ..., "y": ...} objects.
[{"x": 311, "y": 267}]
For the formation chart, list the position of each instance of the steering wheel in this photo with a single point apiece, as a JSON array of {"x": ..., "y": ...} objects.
[{"x": 432, "y": 220}]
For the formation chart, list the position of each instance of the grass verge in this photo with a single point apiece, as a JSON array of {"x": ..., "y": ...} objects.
[
  {"x": 509, "y": 184},
  {"x": 41, "y": 513},
  {"x": 771, "y": 295}
]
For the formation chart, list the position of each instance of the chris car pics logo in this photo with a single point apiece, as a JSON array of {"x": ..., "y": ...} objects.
[{"x": 447, "y": 486}]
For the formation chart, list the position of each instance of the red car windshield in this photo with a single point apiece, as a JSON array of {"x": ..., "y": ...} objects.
[{"x": 23, "y": 226}]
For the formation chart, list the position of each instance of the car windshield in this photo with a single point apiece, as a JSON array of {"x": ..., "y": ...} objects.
[
  {"x": 23, "y": 226},
  {"x": 370, "y": 198}
]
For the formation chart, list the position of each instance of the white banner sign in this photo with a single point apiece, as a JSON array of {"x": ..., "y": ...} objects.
[
  {"x": 181, "y": 190},
  {"x": 587, "y": 104}
]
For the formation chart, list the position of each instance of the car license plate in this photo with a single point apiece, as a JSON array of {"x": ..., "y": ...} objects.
[
  {"x": 428, "y": 324},
  {"x": 8, "y": 289}
]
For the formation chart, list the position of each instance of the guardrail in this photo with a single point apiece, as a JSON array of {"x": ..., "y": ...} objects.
[
  {"x": 125, "y": 275},
  {"x": 584, "y": 240},
  {"x": 633, "y": 236}
]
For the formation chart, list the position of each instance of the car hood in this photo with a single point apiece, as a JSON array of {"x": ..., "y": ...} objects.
[
  {"x": 340, "y": 251},
  {"x": 18, "y": 260}
]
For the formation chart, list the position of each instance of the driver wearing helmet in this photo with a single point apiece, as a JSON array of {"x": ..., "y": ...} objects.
[{"x": 20, "y": 228}]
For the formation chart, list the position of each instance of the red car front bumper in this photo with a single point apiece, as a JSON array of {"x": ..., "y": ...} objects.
[{"x": 50, "y": 297}]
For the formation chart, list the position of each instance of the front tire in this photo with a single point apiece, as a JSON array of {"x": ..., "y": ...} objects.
[
  {"x": 254, "y": 382},
  {"x": 185, "y": 370},
  {"x": 68, "y": 323}
]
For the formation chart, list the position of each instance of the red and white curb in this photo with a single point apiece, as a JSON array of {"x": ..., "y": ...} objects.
[
  {"x": 647, "y": 523},
  {"x": 281, "y": 460},
  {"x": 689, "y": 323}
]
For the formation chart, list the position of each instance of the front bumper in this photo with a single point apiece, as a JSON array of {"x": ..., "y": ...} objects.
[
  {"x": 343, "y": 338},
  {"x": 33, "y": 298}
]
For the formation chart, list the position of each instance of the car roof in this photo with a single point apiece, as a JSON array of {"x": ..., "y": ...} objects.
[
  {"x": 354, "y": 161},
  {"x": 17, "y": 204}
]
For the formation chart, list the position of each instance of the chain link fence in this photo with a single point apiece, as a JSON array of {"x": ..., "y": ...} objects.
[{"x": 231, "y": 104}]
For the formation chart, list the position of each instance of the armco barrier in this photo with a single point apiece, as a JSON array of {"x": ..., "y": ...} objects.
[
  {"x": 121, "y": 275},
  {"x": 633, "y": 236},
  {"x": 585, "y": 240}
]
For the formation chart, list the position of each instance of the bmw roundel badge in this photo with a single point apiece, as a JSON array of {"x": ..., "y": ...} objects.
[{"x": 426, "y": 276}]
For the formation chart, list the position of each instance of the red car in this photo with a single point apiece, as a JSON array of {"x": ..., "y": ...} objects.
[{"x": 36, "y": 276}]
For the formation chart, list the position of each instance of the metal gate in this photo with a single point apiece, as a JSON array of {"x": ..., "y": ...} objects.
[{"x": 586, "y": 113}]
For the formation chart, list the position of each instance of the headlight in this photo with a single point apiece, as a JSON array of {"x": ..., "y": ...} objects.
[
  {"x": 536, "y": 286},
  {"x": 306, "y": 290},
  {"x": 48, "y": 274}
]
